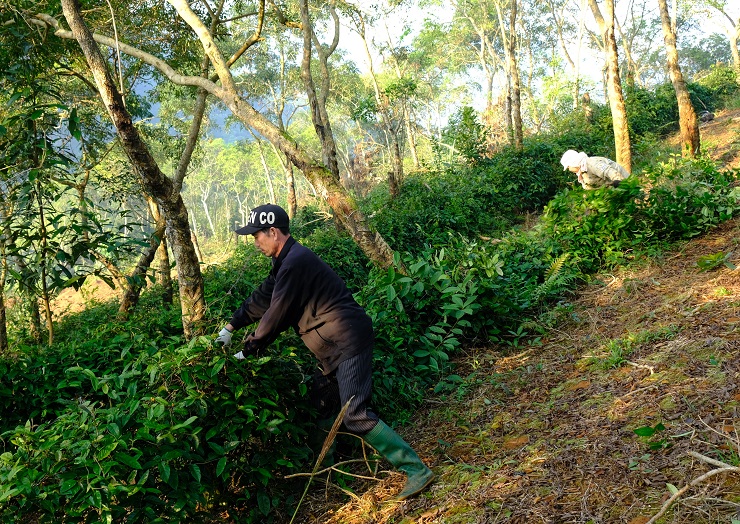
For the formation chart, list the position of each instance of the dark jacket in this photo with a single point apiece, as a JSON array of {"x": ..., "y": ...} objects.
[{"x": 303, "y": 292}]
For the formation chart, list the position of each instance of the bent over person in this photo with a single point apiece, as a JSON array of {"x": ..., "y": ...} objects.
[
  {"x": 303, "y": 292},
  {"x": 593, "y": 171}
]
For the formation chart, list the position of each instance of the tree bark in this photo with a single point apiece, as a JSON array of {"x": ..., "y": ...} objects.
[
  {"x": 290, "y": 181},
  {"x": 138, "y": 277},
  {"x": 390, "y": 130},
  {"x": 4, "y": 346},
  {"x": 686, "y": 114},
  {"x": 164, "y": 277},
  {"x": 317, "y": 100},
  {"x": 614, "y": 85},
  {"x": 513, "y": 83},
  {"x": 154, "y": 181},
  {"x": 516, "y": 90}
]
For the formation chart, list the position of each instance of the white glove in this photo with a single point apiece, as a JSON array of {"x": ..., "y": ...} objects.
[
  {"x": 224, "y": 337},
  {"x": 239, "y": 356}
]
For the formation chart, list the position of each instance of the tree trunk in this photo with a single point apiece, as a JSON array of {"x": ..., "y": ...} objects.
[
  {"x": 138, "y": 277},
  {"x": 204, "y": 203},
  {"x": 686, "y": 114},
  {"x": 266, "y": 168},
  {"x": 194, "y": 240},
  {"x": 513, "y": 83},
  {"x": 45, "y": 298},
  {"x": 391, "y": 131},
  {"x": 4, "y": 346},
  {"x": 614, "y": 86},
  {"x": 164, "y": 277},
  {"x": 733, "y": 35},
  {"x": 290, "y": 181},
  {"x": 516, "y": 91},
  {"x": 317, "y": 101},
  {"x": 154, "y": 181}
]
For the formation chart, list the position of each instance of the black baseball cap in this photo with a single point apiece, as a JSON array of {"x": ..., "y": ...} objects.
[{"x": 261, "y": 217}]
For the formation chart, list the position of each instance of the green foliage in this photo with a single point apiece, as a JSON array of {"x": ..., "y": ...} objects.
[
  {"x": 464, "y": 135},
  {"x": 647, "y": 432},
  {"x": 655, "y": 112},
  {"x": 601, "y": 227},
  {"x": 720, "y": 80},
  {"x": 148, "y": 429},
  {"x": 419, "y": 318},
  {"x": 429, "y": 208},
  {"x": 715, "y": 260},
  {"x": 481, "y": 199}
]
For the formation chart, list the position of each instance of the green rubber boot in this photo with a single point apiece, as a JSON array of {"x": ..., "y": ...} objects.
[{"x": 389, "y": 444}]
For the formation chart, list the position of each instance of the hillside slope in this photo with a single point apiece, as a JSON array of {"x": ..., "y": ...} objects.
[{"x": 545, "y": 434}]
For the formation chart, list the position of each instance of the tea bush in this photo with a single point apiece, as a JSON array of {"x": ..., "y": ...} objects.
[
  {"x": 486, "y": 197},
  {"x": 161, "y": 432},
  {"x": 603, "y": 227}
]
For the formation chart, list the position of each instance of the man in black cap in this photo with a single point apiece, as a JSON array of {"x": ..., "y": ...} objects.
[{"x": 302, "y": 291}]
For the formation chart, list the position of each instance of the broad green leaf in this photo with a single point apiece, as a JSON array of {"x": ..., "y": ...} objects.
[
  {"x": 164, "y": 471},
  {"x": 127, "y": 460},
  {"x": 221, "y": 466},
  {"x": 195, "y": 470},
  {"x": 106, "y": 450},
  {"x": 645, "y": 431}
]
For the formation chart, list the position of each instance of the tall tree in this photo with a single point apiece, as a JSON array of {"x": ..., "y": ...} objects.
[
  {"x": 384, "y": 103},
  {"x": 725, "y": 7},
  {"x": 156, "y": 183},
  {"x": 686, "y": 114},
  {"x": 614, "y": 85},
  {"x": 227, "y": 91},
  {"x": 508, "y": 35}
]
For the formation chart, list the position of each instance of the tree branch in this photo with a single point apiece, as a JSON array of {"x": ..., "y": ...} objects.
[{"x": 45, "y": 20}]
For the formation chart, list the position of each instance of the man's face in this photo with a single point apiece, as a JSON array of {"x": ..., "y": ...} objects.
[{"x": 266, "y": 241}]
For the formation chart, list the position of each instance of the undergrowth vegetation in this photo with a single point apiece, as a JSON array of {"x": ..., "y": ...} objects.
[{"x": 125, "y": 421}]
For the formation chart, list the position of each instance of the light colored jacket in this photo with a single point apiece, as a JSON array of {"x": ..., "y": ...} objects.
[{"x": 600, "y": 172}]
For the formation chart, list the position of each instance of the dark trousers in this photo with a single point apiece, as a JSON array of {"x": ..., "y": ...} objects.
[{"x": 352, "y": 378}]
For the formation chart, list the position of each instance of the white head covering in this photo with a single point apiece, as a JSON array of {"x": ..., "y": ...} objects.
[{"x": 573, "y": 158}]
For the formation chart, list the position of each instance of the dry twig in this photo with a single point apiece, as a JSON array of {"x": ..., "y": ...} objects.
[
  {"x": 722, "y": 467},
  {"x": 324, "y": 449}
]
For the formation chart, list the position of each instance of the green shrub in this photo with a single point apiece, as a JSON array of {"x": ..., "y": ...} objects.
[
  {"x": 160, "y": 433},
  {"x": 429, "y": 207},
  {"x": 721, "y": 81},
  {"x": 483, "y": 199},
  {"x": 464, "y": 136},
  {"x": 687, "y": 199},
  {"x": 419, "y": 315},
  {"x": 600, "y": 228}
]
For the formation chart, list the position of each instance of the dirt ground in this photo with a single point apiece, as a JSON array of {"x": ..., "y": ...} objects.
[{"x": 721, "y": 137}]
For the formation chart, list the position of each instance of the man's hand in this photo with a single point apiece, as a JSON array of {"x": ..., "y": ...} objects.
[{"x": 224, "y": 337}]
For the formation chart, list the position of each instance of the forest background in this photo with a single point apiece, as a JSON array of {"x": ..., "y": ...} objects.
[{"x": 429, "y": 179}]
